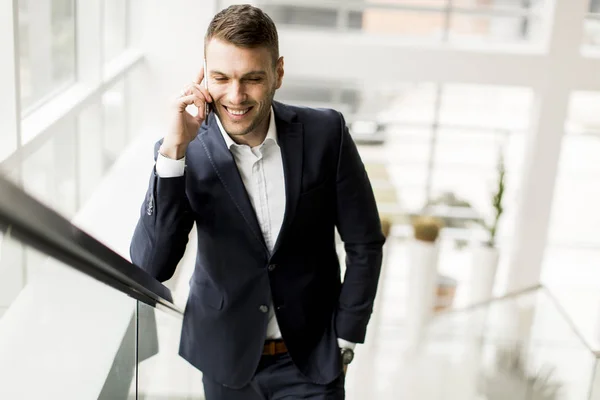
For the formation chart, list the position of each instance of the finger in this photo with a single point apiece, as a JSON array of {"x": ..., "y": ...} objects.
[
  {"x": 197, "y": 90},
  {"x": 185, "y": 101},
  {"x": 189, "y": 89},
  {"x": 200, "y": 76},
  {"x": 205, "y": 92},
  {"x": 202, "y": 93}
]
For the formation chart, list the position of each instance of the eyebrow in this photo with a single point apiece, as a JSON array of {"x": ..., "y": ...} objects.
[{"x": 263, "y": 73}]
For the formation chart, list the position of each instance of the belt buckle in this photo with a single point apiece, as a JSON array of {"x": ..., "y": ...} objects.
[{"x": 270, "y": 348}]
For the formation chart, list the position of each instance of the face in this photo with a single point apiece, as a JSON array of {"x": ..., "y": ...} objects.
[{"x": 242, "y": 83}]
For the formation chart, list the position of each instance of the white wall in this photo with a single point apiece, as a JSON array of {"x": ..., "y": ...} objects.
[{"x": 172, "y": 38}]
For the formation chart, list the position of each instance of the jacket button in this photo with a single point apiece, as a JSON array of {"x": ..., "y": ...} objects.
[
  {"x": 263, "y": 309},
  {"x": 272, "y": 267}
]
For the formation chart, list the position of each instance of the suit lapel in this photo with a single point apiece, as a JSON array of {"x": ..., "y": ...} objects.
[
  {"x": 289, "y": 136},
  {"x": 224, "y": 164}
]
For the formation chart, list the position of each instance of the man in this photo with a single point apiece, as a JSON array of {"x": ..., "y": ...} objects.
[{"x": 266, "y": 184}]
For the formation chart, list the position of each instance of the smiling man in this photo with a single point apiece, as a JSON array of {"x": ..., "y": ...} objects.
[{"x": 266, "y": 184}]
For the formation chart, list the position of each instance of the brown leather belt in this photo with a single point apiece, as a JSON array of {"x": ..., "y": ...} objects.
[{"x": 274, "y": 347}]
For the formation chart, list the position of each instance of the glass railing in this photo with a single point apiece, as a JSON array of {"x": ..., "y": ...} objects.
[
  {"x": 520, "y": 347},
  {"x": 77, "y": 321}
]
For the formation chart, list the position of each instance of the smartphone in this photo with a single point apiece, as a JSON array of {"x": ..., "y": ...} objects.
[{"x": 206, "y": 105}]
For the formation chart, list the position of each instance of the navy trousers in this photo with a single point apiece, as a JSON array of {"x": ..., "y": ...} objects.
[{"x": 277, "y": 378}]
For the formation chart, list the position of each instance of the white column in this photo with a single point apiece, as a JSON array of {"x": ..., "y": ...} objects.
[
  {"x": 89, "y": 40},
  {"x": 543, "y": 146},
  {"x": 9, "y": 81}
]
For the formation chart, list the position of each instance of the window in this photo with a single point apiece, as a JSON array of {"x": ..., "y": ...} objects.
[
  {"x": 575, "y": 215},
  {"x": 455, "y": 150},
  {"x": 49, "y": 173},
  {"x": 573, "y": 248},
  {"x": 114, "y": 28},
  {"x": 46, "y": 48},
  {"x": 115, "y": 137},
  {"x": 508, "y": 21}
]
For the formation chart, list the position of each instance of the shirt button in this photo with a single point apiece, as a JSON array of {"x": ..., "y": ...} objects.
[
  {"x": 272, "y": 267},
  {"x": 263, "y": 309}
]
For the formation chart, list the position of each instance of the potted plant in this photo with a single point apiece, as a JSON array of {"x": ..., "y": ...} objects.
[
  {"x": 485, "y": 255},
  {"x": 423, "y": 261}
]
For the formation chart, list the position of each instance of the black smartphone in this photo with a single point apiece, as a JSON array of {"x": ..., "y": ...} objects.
[{"x": 206, "y": 105}]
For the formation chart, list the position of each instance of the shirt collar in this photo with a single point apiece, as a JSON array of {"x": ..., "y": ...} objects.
[{"x": 271, "y": 132}]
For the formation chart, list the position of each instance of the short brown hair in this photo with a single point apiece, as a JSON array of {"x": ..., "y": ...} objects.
[{"x": 244, "y": 26}]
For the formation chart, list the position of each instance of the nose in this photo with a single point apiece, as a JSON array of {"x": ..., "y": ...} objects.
[{"x": 236, "y": 94}]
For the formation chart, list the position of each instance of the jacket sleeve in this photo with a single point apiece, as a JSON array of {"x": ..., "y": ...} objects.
[
  {"x": 360, "y": 229},
  {"x": 161, "y": 234}
]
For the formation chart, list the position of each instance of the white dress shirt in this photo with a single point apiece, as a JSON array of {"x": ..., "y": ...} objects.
[{"x": 261, "y": 170}]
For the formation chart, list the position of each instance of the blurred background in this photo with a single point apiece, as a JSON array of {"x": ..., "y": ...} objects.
[{"x": 479, "y": 118}]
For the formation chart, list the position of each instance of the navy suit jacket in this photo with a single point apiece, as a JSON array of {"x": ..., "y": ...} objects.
[{"x": 326, "y": 185}]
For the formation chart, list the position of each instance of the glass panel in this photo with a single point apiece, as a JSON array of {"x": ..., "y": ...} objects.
[
  {"x": 13, "y": 276},
  {"x": 575, "y": 215},
  {"x": 595, "y": 395},
  {"x": 115, "y": 28},
  {"x": 8, "y": 142},
  {"x": 162, "y": 373},
  {"x": 521, "y": 348},
  {"x": 63, "y": 335},
  {"x": 478, "y": 125},
  {"x": 485, "y": 106},
  {"x": 49, "y": 174},
  {"x": 115, "y": 126},
  {"x": 466, "y": 168},
  {"x": 46, "y": 48},
  {"x": 90, "y": 156}
]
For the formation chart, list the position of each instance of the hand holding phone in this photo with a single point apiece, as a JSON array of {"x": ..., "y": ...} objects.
[{"x": 184, "y": 126}]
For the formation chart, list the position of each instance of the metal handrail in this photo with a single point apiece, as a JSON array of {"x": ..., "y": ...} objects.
[
  {"x": 539, "y": 287},
  {"x": 42, "y": 228}
]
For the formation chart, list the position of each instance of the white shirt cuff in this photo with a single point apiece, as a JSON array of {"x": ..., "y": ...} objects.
[
  {"x": 168, "y": 168},
  {"x": 344, "y": 344}
]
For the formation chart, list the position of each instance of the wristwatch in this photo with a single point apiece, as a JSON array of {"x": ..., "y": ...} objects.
[{"x": 347, "y": 356}]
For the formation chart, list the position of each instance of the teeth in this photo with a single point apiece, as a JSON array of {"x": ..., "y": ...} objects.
[{"x": 238, "y": 112}]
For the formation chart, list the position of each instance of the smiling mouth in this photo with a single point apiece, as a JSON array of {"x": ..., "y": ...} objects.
[{"x": 237, "y": 112}]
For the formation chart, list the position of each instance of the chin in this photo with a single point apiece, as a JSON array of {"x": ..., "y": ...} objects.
[{"x": 235, "y": 129}]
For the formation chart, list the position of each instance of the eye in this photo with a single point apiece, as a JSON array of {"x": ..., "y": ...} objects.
[
  {"x": 254, "y": 79},
  {"x": 220, "y": 79}
]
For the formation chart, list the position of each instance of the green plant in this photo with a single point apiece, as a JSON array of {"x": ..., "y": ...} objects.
[
  {"x": 427, "y": 228},
  {"x": 497, "y": 198}
]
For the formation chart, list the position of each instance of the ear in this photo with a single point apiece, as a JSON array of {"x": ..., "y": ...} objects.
[{"x": 279, "y": 72}]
